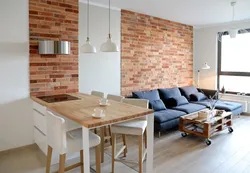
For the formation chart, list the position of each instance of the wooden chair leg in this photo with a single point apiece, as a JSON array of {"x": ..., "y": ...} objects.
[
  {"x": 102, "y": 144},
  {"x": 62, "y": 163},
  {"x": 81, "y": 160},
  {"x": 146, "y": 139},
  {"x": 49, "y": 156},
  {"x": 140, "y": 154},
  {"x": 98, "y": 158},
  {"x": 125, "y": 144},
  {"x": 110, "y": 135},
  {"x": 113, "y": 152},
  {"x": 105, "y": 132}
]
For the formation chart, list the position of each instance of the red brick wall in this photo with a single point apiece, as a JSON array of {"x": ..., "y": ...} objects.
[
  {"x": 53, "y": 20},
  {"x": 156, "y": 53}
]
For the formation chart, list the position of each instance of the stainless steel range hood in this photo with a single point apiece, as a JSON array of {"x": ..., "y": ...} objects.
[{"x": 54, "y": 47}]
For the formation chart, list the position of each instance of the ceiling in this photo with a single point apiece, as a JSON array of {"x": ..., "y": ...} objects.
[{"x": 191, "y": 12}]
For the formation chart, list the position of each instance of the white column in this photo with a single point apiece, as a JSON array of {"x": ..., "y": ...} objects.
[
  {"x": 150, "y": 142},
  {"x": 85, "y": 142}
]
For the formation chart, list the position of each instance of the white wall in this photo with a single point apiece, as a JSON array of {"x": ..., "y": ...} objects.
[
  {"x": 100, "y": 71},
  {"x": 205, "y": 50},
  {"x": 15, "y": 107}
]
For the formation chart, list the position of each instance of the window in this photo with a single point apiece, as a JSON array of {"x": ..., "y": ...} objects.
[{"x": 234, "y": 63}]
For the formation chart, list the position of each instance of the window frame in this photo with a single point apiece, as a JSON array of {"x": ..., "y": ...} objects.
[{"x": 227, "y": 73}]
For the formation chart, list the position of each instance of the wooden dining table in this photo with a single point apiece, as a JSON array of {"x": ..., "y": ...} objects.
[{"x": 81, "y": 112}]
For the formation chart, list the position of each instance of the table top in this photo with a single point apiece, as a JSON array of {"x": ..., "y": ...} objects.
[
  {"x": 81, "y": 110},
  {"x": 195, "y": 118}
]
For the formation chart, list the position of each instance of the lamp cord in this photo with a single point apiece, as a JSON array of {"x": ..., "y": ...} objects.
[
  {"x": 109, "y": 20},
  {"x": 233, "y": 13},
  {"x": 88, "y": 22}
]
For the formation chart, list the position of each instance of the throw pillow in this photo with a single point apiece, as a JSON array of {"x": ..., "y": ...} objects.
[
  {"x": 197, "y": 96},
  {"x": 157, "y": 105},
  {"x": 177, "y": 101}
]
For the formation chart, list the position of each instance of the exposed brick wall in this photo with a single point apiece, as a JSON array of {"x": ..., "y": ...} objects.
[
  {"x": 53, "y": 20},
  {"x": 156, "y": 53}
]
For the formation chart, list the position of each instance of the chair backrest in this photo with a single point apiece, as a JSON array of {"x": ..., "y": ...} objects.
[
  {"x": 56, "y": 133},
  {"x": 137, "y": 102},
  {"x": 97, "y": 93},
  {"x": 115, "y": 97}
]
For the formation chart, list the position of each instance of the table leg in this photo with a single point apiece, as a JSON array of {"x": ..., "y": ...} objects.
[
  {"x": 85, "y": 138},
  {"x": 102, "y": 144},
  {"x": 150, "y": 144}
]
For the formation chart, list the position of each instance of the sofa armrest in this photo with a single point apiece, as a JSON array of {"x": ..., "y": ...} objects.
[{"x": 208, "y": 92}]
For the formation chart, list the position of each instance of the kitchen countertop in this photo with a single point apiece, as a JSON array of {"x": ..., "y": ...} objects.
[{"x": 81, "y": 110}]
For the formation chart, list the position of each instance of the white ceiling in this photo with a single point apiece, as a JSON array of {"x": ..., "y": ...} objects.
[{"x": 192, "y": 12}]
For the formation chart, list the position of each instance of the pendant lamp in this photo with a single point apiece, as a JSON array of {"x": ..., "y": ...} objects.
[
  {"x": 109, "y": 46},
  {"x": 87, "y": 47},
  {"x": 232, "y": 32}
]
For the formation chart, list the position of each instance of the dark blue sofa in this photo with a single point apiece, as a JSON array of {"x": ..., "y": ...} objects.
[
  {"x": 170, "y": 104},
  {"x": 165, "y": 118}
]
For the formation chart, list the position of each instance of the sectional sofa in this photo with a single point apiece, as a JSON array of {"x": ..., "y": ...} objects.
[{"x": 170, "y": 104}]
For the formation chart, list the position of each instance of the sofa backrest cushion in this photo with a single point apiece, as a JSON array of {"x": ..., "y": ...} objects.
[
  {"x": 149, "y": 95},
  {"x": 157, "y": 105},
  {"x": 168, "y": 93},
  {"x": 198, "y": 96},
  {"x": 188, "y": 90},
  {"x": 177, "y": 101}
]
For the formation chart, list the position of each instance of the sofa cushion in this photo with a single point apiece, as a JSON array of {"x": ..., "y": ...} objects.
[
  {"x": 177, "y": 101},
  {"x": 205, "y": 102},
  {"x": 167, "y": 115},
  {"x": 197, "y": 96},
  {"x": 189, "y": 108},
  {"x": 149, "y": 95},
  {"x": 227, "y": 106},
  {"x": 188, "y": 90},
  {"x": 222, "y": 105},
  {"x": 168, "y": 93},
  {"x": 157, "y": 105}
]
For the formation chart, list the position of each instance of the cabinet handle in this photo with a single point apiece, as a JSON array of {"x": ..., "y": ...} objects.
[
  {"x": 38, "y": 112},
  {"x": 39, "y": 130}
]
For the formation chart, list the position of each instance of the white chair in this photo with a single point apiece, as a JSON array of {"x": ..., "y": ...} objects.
[
  {"x": 97, "y": 93},
  {"x": 118, "y": 99},
  {"x": 102, "y": 129},
  {"x": 63, "y": 142},
  {"x": 115, "y": 97},
  {"x": 136, "y": 127}
]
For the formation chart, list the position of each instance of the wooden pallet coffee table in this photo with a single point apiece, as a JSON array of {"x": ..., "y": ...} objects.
[{"x": 192, "y": 124}]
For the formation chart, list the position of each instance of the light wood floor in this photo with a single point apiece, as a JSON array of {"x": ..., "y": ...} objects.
[{"x": 229, "y": 153}]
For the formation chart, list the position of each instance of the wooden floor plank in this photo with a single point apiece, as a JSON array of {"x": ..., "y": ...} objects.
[{"x": 229, "y": 153}]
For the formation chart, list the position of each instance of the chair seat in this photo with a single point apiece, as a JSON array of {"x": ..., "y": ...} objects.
[
  {"x": 135, "y": 127},
  {"x": 74, "y": 140}
]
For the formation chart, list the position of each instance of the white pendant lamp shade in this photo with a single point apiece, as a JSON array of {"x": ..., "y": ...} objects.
[
  {"x": 205, "y": 67},
  {"x": 88, "y": 48},
  {"x": 109, "y": 46}
]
